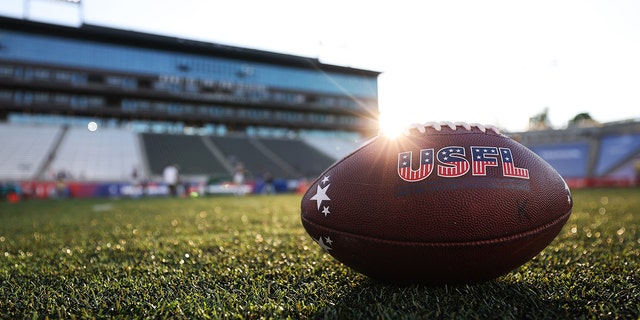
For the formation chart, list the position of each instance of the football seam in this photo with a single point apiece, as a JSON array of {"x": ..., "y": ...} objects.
[{"x": 482, "y": 242}]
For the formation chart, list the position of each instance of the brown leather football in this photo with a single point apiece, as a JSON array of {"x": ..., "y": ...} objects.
[{"x": 445, "y": 203}]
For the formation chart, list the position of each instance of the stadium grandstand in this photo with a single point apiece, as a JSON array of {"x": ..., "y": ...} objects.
[
  {"x": 596, "y": 155},
  {"x": 95, "y": 111},
  {"x": 153, "y": 101}
]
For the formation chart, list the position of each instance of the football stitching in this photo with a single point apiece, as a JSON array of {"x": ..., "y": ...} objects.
[{"x": 421, "y": 127}]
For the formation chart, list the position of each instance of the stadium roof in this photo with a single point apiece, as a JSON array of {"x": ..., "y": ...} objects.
[{"x": 133, "y": 38}]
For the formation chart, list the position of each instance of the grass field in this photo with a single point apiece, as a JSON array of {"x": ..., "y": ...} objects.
[{"x": 233, "y": 257}]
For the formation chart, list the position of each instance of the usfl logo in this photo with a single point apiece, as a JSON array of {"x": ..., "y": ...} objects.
[{"x": 451, "y": 162}]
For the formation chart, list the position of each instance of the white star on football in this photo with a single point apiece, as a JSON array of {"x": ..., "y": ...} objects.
[
  {"x": 320, "y": 241},
  {"x": 326, "y": 211},
  {"x": 321, "y": 195},
  {"x": 325, "y": 180}
]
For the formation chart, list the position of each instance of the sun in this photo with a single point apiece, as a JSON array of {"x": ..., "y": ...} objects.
[{"x": 392, "y": 124}]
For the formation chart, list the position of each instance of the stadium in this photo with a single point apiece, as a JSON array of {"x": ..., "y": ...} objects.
[
  {"x": 92, "y": 116},
  {"x": 206, "y": 108},
  {"x": 157, "y": 101}
]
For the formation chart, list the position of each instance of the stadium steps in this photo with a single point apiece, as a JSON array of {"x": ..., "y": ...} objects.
[
  {"x": 594, "y": 150},
  {"x": 144, "y": 170},
  {"x": 188, "y": 152},
  {"x": 255, "y": 162},
  {"x": 25, "y": 149},
  {"x": 217, "y": 154},
  {"x": 291, "y": 172},
  {"x": 42, "y": 170},
  {"x": 615, "y": 152},
  {"x": 306, "y": 160},
  {"x": 104, "y": 155},
  {"x": 628, "y": 160}
]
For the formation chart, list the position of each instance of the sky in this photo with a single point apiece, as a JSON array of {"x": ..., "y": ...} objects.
[{"x": 489, "y": 62}]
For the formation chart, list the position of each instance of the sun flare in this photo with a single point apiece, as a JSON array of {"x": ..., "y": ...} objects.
[{"x": 392, "y": 124}]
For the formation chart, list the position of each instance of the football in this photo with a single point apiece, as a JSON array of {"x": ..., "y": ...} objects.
[{"x": 443, "y": 203}]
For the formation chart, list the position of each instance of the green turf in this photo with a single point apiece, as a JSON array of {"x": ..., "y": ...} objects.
[{"x": 233, "y": 257}]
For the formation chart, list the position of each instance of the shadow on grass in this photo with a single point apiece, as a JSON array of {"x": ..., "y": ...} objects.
[{"x": 491, "y": 300}]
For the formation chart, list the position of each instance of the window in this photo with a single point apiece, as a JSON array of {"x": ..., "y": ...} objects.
[
  {"x": 129, "y": 105},
  {"x": 79, "y": 78},
  {"x": 95, "y": 79},
  {"x": 42, "y": 74},
  {"x": 6, "y": 71},
  {"x": 95, "y": 101},
  {"x": 78, "y": 102},
  {"x": 63, "y": 76},
  {"x": 62, "y": 99},
  {"x": 5, "y": 95},
  {"x": 121, "y": 82}
]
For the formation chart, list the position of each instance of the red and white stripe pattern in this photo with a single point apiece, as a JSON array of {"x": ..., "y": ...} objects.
[
  {"x": 483, "y": 157},
  {"x": 509, "y": 169},
  {"x": 405, "y": 168},
  {"x": 453, "y": 162}
]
